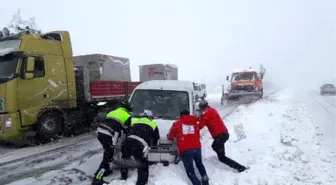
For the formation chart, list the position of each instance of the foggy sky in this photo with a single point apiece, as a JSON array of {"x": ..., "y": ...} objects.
[{"x": 295, "y": 39}]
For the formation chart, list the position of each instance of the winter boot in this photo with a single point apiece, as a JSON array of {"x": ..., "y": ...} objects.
[
  {"x": 98, "y": 182},
  {"x": 205, "y": 180},
  {"x": 241, "y": 169}
]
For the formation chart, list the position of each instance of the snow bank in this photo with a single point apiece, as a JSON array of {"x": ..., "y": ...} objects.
[
  {"x": 282, "y": 147},
  {"x": 244, "y": 70}
]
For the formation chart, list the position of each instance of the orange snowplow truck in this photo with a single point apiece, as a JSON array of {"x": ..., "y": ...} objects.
[{"x": 244, "y": 83}]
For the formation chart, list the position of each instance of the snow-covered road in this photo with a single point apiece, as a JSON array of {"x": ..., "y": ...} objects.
[
  {"x": 282, "y": 147},
  {"x": 324, "y": 116},
  {"x": 77, "y": 156}
]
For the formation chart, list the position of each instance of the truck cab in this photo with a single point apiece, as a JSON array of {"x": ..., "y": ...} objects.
[
  {"x": 243, "y": 83},
  {"x": 34, "y": 75},
  {"x": 42, "y": 93},
  {"x": 166, "y": 99}
]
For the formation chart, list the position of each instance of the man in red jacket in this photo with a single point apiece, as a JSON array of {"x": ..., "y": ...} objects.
[
  {"x": 219, "y": 133},
  {"x": 186, "y": 132}
]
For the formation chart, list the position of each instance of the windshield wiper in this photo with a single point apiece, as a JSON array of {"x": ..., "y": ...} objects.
[{"x": 4, "y": 79}]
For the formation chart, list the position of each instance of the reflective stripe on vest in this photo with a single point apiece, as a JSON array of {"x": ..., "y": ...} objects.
[
  {"x": 145, "y": 121},
  {"x": 142, "y": 141},
  {"x": 120, "y": 114}
]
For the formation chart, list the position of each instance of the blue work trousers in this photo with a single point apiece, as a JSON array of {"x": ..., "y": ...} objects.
[{"x": 188, "y": 157}]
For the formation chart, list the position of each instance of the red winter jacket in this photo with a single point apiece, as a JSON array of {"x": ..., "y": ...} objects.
[
  {"x": 213, "y": 121},
  {"x": 187, "y": 133}
]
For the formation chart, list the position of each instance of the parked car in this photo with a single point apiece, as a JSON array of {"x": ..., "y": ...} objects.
[{"x": 328, "y": 89}]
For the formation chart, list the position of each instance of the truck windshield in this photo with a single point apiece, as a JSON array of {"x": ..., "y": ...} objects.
[
  {"x": 7, "y": 67},
  {"x": 164, "y": 104},
  {"x": 243, "y": 77},
  {"x": 328, "y": 86},
  {"x": 5, "y": 44}
]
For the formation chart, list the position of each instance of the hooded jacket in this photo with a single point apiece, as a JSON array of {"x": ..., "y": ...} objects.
[
  {"x": 186, "y": 132},
  {"x": 213, "y": 121}
]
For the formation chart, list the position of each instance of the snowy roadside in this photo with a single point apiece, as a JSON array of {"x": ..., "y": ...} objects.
[
  {"x": 282, "y": 145},
  {"x": 324, "y": 116},
  {"x": 282, "y": 148}
]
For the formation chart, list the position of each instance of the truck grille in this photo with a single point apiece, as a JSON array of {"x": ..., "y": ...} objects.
[{"x": 242, "y": 87}]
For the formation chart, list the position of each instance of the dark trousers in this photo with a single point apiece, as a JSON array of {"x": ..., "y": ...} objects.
[
  {"x": 219, "y": 148},
  {"x": 133, "y": 147},
  {"x": 104, "y": 167},
  {"x": 188, "y": 157}
]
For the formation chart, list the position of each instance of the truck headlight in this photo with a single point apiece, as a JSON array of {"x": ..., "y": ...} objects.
[{"x": 8, "y": 122}]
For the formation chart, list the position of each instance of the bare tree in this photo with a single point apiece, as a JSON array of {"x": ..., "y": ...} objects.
[{"x": 18, "y": 23}]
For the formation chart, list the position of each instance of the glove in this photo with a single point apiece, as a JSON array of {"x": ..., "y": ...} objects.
[{"x": 146, "y": 151}]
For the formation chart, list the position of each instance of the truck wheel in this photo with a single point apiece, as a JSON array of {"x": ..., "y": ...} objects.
[{"x": 49, "y": 126}]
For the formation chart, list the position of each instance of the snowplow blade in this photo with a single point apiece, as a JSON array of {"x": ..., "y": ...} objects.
[
  {"x": 241, "y": 97},
  {"x": 232, "y": 95}
]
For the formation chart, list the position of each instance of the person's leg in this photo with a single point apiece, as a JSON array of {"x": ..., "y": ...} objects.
[
  {"x": 104, "y": 167},
  {"x": 219, "y": 148},
  {"x": 188, "y": 162},
  {"x": 143, "y": 171},
  {"x": 200, "y": 166},
  {"x": 126, "y": 149},
  {"x": 106, "y": 142}
]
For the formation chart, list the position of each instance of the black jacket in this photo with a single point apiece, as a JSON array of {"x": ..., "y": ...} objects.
[
  {"x": 145, "y": 132},
  {"x": 113, "y": 125}
]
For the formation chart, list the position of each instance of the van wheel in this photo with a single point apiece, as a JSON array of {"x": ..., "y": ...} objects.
[{"x": 49, "y": 126}]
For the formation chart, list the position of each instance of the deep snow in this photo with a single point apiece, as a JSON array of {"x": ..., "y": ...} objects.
[{"x": 283, "y": 147}]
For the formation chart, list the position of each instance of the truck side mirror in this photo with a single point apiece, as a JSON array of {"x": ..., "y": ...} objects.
[
  {"x": 227, "y": 78},
  {"x": 29, "y": 71}
]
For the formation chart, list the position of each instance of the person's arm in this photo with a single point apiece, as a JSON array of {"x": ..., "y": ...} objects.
[
  {"x": 202, "y": 121},
  {"x": 172, "y": 133},
  {"x": 127, "y": 125},
  {"x": 156, "y": 136},
  {"x": 128, "y": 122}
]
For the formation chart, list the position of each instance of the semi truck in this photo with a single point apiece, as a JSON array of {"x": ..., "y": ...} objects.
[
  {"x": 158, "y": 72},
  {"x": 45, "y": 92}
]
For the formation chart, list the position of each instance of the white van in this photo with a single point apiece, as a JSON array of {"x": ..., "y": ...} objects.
[{"x": 166, "y": 99}]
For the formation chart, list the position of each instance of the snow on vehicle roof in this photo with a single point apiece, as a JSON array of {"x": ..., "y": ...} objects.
[
  {"x": 176, "y": 85},
  {"x": 243, "y": 70},
  {"x": 171, "y": 65}
]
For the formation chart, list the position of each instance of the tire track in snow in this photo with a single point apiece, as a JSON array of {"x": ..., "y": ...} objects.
[
  {"x": 71, "y": 143},
  {"x": 37, "y": 165}
]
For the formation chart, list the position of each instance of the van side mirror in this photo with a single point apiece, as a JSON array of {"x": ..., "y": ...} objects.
[
  {"x": 227, "y": 78},
  {"x": 29, "y": 71}
]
